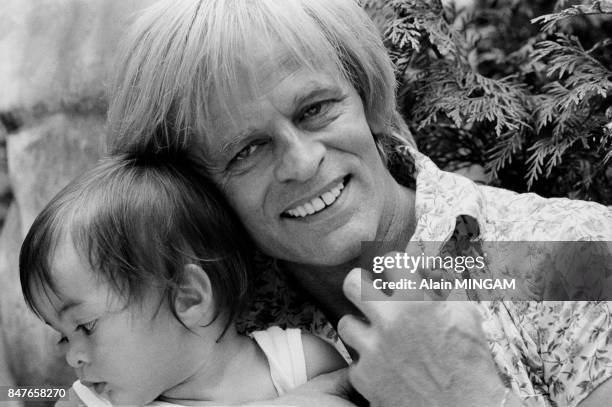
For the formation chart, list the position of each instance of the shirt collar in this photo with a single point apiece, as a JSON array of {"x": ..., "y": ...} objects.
[{"x": 442, "y": 197}]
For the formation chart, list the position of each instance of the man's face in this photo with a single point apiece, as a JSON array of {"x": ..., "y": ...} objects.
[{"x": 300, "y": 167}]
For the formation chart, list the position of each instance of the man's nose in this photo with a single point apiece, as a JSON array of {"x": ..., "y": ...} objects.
[{"x": 300, "y": 155}]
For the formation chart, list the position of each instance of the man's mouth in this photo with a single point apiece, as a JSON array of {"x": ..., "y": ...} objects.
[{"x": 318, "y": 203}]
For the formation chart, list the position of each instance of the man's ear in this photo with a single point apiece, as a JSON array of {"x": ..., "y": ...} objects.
[{"x": 194, "y": 302}]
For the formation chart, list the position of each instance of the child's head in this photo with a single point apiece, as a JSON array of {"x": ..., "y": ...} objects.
[{"x": 130, "y": 262}]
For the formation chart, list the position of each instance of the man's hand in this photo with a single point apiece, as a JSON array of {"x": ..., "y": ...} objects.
[
  {"x": 331, "y": 389},
  {"x": 417, "y": 353}
]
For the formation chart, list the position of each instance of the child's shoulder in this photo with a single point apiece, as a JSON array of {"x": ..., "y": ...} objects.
[
  {"x": 321, "y": 357},
  {"x": 293, "y": 344}
]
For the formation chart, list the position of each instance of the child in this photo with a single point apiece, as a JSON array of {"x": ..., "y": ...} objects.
[{"x": 142, "y": 268}]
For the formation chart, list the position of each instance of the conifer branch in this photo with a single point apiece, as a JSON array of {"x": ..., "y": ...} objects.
[{"x": 549, "y": 21}]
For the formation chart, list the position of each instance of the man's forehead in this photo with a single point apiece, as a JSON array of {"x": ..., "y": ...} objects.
[
  {"x": 242, "y": 117},
  {"x": 268, "y": 70},
  {"x": 262, "y": 57},
  {"x": 264, "y": 63}
]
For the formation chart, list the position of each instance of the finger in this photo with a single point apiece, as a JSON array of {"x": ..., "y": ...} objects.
[
  {"x": 357, "y": 286},
  {"x": 406, "y": 285},
  {"x": 359, "y": 380},
  {"x": 376, "y": 306},
  {"x": 415, "y": 270},
  {"x": 441, "y": 276},
  {"x": 399, "y": 278},
  {"x": 354, "y": 332}
]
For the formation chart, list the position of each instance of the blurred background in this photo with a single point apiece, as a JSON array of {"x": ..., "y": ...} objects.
[
  {"x": 486, "y": 91},
  {"x": 54, "y": 59}
]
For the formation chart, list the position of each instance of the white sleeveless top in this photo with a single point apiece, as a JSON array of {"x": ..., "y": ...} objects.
[{"x": 285, "y": 354}]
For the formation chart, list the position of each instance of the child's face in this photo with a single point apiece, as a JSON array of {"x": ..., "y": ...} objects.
[{"x": 129, "y": 354}]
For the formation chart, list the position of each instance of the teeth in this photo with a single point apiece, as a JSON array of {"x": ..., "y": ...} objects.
[
  {"x": 318, "y": 203},
  {"x": 309, "y": 208},
  {"x": 328, "y": 198}
]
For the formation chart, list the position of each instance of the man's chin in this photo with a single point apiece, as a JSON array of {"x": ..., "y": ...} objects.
[{"x": 339, "y": 249}]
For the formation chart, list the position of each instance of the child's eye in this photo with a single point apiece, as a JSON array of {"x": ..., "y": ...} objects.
[
  {"x": 89, "y": 327},
  {"x": 62, "y": 340}
]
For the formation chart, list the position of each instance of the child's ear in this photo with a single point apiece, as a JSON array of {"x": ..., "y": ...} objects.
[{"x": 194, "y": 302}]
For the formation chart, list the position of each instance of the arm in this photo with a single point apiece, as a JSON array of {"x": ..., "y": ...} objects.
[
  {"x": 321, "y": 357},
  {"x": 323, "y": 388},
  {"x": 329, "y": 390}
]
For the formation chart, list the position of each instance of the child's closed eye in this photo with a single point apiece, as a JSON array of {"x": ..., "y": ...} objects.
[{"x": 89, "y": 327}]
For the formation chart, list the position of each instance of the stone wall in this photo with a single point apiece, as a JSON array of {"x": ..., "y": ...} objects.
[
  {"x": 5, "y": 186},
  {"x": 54, "y": 59}
]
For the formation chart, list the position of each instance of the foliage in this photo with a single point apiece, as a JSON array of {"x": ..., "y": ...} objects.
[{"x": 521, "y": 87}]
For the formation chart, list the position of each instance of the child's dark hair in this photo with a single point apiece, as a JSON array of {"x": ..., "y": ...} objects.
[{"x": 138, "y": 222}]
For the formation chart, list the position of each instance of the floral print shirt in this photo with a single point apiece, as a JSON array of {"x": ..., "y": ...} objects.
[{"x": 549, "y": 353}]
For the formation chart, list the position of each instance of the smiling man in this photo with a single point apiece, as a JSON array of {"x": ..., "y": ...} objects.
[{"x": 291, "y": 105}]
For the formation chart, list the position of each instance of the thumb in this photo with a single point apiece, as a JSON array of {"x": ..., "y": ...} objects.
[{"x": 404, "y": 275}]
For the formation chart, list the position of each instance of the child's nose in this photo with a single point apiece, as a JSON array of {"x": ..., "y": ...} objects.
[{"x": 76, "y": 356}]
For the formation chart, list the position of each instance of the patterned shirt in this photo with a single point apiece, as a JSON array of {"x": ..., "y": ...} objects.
[{"x": 549, "y": 353}]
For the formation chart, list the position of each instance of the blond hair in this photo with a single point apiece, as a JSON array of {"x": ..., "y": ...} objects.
[{"x": 182, "y": 54}]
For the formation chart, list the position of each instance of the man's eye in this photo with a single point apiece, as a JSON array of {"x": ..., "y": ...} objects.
[
  {"x": 315, "y": 109},
  {"x": 248, "y": 150},
  {"x": 89, "y": 327}
]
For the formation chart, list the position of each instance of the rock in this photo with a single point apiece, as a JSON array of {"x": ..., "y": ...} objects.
[
  {"x": 44, "y": 157},
  {"x": 57, "y": 53},
  {"x": 54, "y": 60},
  {"x": 5, "y": 378},
  {"x": 5, "y": 185}
]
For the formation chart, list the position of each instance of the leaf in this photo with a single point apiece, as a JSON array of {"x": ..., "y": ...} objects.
[{"x": 549, "y": 21}]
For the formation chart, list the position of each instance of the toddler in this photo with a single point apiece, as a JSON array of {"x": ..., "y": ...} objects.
[{"x": 142, "y": 269}]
